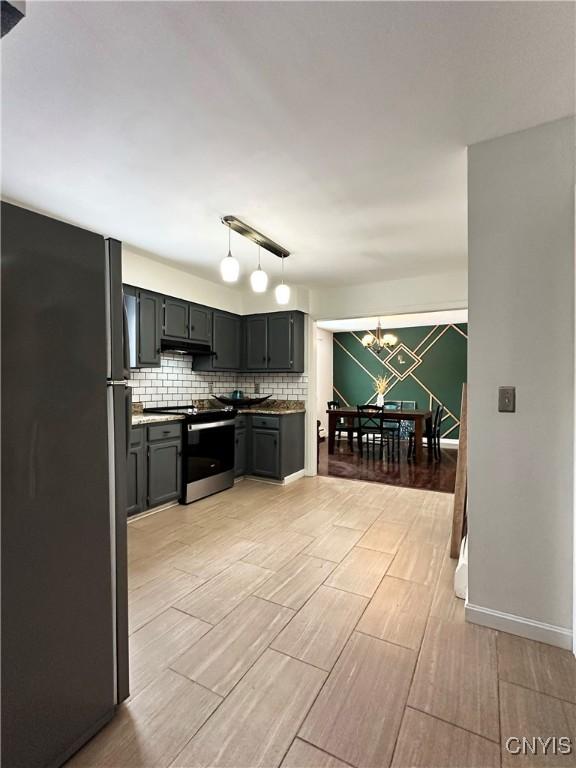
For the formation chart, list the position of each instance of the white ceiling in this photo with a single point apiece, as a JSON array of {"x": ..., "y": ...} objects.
[{"x": 339, "y": 129}]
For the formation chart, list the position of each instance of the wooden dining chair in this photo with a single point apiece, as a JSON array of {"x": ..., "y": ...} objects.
[
  {"x": 392, "y": 427},
  {"x": 436, "y": 428},
  {"x": 435, "y": 436},
  {"x": 341, "y": 425},
  {"x": 370, "y": 424}
]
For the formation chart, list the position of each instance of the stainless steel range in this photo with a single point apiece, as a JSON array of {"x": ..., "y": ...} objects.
[{"x": 207, "y": 450}]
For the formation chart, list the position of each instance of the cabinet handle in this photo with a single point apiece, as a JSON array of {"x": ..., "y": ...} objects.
[
  {"x": 269, "y": 358},
  {"x": 192, "y": 328},
  {"x": 264, "y": 359}
]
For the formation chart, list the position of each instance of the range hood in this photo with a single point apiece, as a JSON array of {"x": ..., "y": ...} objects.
[{"x": 185, "y": 347}]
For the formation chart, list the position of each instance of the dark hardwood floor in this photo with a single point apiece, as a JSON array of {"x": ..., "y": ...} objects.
[{"x": 431, "y": 476}]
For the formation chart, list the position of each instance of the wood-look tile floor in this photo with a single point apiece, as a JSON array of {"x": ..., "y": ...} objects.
[{"x": 314, "y": 626}]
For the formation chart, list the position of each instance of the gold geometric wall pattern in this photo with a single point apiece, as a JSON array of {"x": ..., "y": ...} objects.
[{"x": 428, "y": 366}]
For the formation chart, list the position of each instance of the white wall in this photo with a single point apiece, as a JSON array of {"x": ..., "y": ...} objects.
[
  {"x": 145, "y": 272},
  {"x": 521, "y": 333},
  {"x": 324, "y": 374},
  {"x": 414, "y": 294}
]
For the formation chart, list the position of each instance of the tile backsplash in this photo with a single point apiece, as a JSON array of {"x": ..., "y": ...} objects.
[{"x": 175, "y": 383}]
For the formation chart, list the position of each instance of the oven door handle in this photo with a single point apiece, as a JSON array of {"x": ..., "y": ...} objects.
[{"x": 210, "y": 425}]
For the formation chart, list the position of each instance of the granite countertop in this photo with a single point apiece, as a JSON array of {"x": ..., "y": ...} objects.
[
  {"x": 274, "y": 407},
  {"x": 154, "y": 418},
  {"x": 260, "y": 411},
  {"x": 267, "y": 408}
]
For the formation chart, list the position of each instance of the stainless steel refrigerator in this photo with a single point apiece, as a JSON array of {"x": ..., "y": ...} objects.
[{"x": 65, "y": 419}]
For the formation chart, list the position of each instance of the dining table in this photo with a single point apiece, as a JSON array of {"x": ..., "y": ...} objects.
[{"x": 422, "y": 418}]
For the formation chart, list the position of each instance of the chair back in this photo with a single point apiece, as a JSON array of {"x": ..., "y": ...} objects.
[
  {"x": 438, "y": 416},
  {"x": 333, "y": 405},
  {"x": 368, "y": 416},
  {"x": 407, "y": 427}
]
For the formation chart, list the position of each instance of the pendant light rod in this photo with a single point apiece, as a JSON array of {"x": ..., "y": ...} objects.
[{"x": 257, "y": 237}]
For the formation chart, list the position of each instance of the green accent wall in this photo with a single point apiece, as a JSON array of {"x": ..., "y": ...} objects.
[{"x": 427, "y": 365}]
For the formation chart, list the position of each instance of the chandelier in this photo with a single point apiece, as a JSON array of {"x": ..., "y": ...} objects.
[{"x": 378, "y": 340}]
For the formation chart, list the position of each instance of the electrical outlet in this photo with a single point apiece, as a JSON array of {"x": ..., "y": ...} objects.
[
  {"x": 256, "y": 388},
  {"x": 506, "y": 399},
  {"x": 211, "y": 388}
]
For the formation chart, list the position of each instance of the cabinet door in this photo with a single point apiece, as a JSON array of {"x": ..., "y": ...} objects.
[
  {"x": 200, "y": 328},
  {"x": 257, "y": 342},
  {"x": 266, "y": 452},
  {"x": 175, "y": 318},
  {"x": 136, "y": 473},
  {"x": 280, "y": 341},
  {"x": 240, "y": 453},
  {"x": 163, "y": 472},
  {"x": 149, "y": 322},
  {"x": 226, "y": 342}
]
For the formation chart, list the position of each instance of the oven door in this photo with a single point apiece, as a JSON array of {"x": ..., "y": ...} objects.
[{"x": 209, "y": 458}]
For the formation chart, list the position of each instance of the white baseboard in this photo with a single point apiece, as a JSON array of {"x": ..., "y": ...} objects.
[
  {"x": 294, "y": 476},
  {"x": 148, "y": 512},
  {"x": 518, "y": 625},
  {"x": 288, "y": 479}
]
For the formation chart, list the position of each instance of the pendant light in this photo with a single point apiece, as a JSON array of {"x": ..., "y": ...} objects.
[
  {"x": 229, "y": 266},
  {"x": 259, "y": 278},
  {"x": 282, "y": 291}
]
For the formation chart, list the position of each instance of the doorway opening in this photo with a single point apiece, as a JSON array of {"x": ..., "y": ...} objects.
[{"x": 412, "y": 366}]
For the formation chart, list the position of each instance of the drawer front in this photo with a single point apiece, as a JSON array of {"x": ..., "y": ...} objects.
[
  {"x": 136, "y": 436},
  {"x": 164, "y": 432},
  {"x": 266, "y": 422}
]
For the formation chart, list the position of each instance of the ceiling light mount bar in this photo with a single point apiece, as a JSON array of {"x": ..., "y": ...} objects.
[{"x": 257, "y": 237}]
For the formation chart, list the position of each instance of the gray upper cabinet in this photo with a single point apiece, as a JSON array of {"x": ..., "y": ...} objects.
[
  {"x": 183, "y": 320},
  {"x": 176, "y": 319},
  {"x": 280, "y": 341},
  {"x": 256, "y": 342},
  {"x": 263, "y": 342},
  {"x": 226, "y": 344},
  {"x": 200, "y": 324},
  {"x": 275, "y": 342},
  {"x": 149, "y": 328}
]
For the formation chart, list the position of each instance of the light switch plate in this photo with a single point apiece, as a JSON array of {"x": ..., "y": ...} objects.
[{"x": 506, "y": 399}]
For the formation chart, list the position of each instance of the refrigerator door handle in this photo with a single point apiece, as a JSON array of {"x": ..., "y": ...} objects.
[
  {"x": 128, "y": 405},
  {"x": 125, "y": 339}
]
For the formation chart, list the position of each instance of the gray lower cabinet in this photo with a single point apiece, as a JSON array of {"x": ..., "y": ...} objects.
[
  {"x": 266, "y": 452},
  {"x": 154, "y": 466},
  {"x": 240, "y": 452},
  {"x": 164, "y": 471},
  {"x": 270, "y": 446},
  {"x": 136, "y": 472}
]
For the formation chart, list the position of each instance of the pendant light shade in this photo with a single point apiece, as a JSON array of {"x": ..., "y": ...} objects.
[
  {"x": 229, "y": 266},
  {"x": 282, "y": 291},
  {"x": 259, "y": 278}
]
